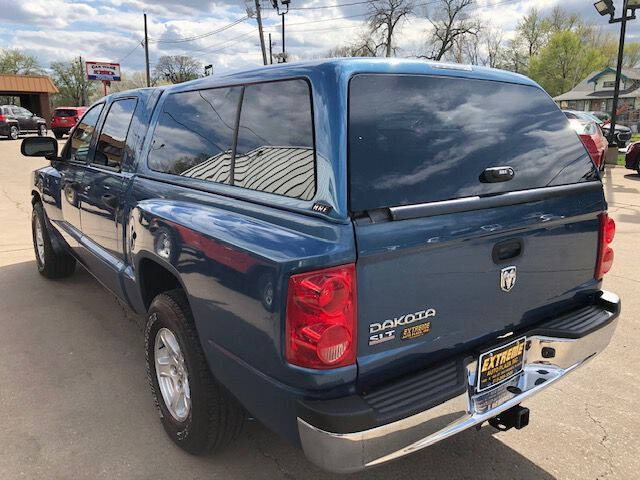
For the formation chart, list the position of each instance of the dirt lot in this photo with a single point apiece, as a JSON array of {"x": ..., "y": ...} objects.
[{"x": 74, "y": 402}]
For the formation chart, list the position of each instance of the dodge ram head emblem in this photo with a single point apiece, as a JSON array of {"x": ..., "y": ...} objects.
[{"x": 507, "y": 278}]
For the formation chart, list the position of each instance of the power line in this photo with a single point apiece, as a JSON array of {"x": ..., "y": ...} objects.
[
  {"x": 138, "y": 44},
  {"x": 203, "y": 35},
  {"x": 331, "y": 6}
]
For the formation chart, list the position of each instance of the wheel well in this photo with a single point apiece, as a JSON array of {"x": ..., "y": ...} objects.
[{"x": 155, "y": 279}]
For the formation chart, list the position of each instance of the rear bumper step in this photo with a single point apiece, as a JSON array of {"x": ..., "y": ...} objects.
[{"x": 552, "y": 352}]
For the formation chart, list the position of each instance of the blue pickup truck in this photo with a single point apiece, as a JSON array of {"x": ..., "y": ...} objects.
[{"x": 367, "y": 256}]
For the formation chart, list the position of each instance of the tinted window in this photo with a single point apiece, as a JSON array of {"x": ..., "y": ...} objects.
[
  {"x": 78, "y": 146},
  {"x": 275, "y": 140},
  {"x": 194, "y": 135},
  {"x": 64, "y": 113},
  {"x": 415, "y": 139},
  {"x": 112, "y": 139}
]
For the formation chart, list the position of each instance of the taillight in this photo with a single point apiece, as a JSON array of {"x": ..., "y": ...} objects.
[
  {"x": 321, "y": 329},
  {"x": 605, "y": 252},
  {"x": 3, "y": 118}
]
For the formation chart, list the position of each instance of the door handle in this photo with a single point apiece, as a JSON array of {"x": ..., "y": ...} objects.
[
  {"x": 497, "y": 174},
  {"x": 507, "y": 250},
  {"x": 110, "y": 200}
]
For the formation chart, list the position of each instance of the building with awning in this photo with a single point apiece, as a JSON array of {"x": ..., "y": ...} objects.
[
  {"x": 595, "y": 94},
  {"x": 32, "y": 91}
]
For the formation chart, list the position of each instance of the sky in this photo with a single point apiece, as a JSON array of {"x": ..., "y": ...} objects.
[{"x": 112, "y": 30}]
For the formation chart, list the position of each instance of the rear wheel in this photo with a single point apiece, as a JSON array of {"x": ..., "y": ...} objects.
[
  {"x": 14, "y": 132},
  {"x": 57, "y": 134},
  {"x": 42, "y": 130},
  {"x": 196, "y": 411},
  {"x": 51, "y": 264}
]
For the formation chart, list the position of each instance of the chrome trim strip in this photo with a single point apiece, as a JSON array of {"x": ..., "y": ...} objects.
[
  {"x": 350, "y": 452},
  {"x": 467, "y": 204}
]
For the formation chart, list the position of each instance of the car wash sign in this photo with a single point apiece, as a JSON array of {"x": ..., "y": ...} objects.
[{"x": 107, "y": 72}]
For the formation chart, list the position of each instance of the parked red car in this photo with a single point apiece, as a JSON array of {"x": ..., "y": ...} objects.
[
  {"x": 632, "y": 158},
  {"x": 593, "y": 138},
  {"x": 64, "y": 119}
]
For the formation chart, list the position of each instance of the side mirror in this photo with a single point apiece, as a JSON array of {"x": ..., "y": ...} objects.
[{"x": 46, "y": 147}]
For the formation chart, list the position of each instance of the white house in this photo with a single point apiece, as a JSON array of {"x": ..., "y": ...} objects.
[{"x": 595, "y": 93}]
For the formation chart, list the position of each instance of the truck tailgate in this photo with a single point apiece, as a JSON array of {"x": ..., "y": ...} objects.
[{"x": 430, "y": 287}]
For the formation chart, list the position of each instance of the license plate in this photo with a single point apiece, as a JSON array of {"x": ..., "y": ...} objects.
[{"x": 500, "y": 364}]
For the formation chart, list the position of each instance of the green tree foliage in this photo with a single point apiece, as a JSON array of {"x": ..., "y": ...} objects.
[
  {"x": 563, "y": 62},
  {"x": 75, "y": 89},
  {"x": 13, "y": 61}
]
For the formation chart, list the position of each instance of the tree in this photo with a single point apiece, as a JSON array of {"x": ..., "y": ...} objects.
[
  {"x": 563, "y": 62},
  {"x": 533, "y": 31},
  {"x": 491, "y": 42},
  {"x": 363, "y": 46},
  {"x": 449, "y": 22},
  {"x": 383, "y": 19},
  {"x": 178, "y": 68},
  {"x": 74, "y": 88},
  {"x": 559, "y": 19},
  {"x": 13, "y": 61},
  {"x": 631, "y": 56}
]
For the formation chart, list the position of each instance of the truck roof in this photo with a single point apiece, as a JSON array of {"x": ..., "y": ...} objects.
[{"x": 346, "y": 67}]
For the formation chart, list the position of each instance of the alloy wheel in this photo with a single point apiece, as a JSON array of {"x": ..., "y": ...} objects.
[{"x": 172, "y": 375}]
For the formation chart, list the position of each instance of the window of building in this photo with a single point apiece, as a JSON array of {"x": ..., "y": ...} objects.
[
  {"x": 113, "y": 137},
  {"x": 609, "y": 84}
]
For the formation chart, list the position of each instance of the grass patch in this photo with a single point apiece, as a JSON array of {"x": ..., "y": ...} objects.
[
  {"x": 621, "y": 159},
  {"x": 635, "y": 137}
]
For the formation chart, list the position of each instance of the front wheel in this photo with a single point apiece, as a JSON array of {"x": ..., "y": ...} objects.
[
  {"x": 197, "y": 413},
  {"x": 42, "y": 130},
  {"x": 51, "y": 264}
]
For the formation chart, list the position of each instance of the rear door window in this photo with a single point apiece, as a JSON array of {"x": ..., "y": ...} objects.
[
  {"x": 113, "y": 137},
  {"x": 275, "y": 151},
  {"x": 418, "y": 138},
  {"x": 194, "y": 135}
]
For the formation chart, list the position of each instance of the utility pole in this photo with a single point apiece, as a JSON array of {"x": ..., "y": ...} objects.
[
  {"x": 83, "y": 88},
  {"x": 259, "y": 19},
  {"x": 282, "y": 36},
  {"x": 270, "y": 51},
  {"x": 146, "y": 51}
]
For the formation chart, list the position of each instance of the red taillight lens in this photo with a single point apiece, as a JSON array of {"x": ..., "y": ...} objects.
[
  {"x": 3, "y": 118},
  {"x": 321, "y": 327},
  {"x": 605, "y": 252}
]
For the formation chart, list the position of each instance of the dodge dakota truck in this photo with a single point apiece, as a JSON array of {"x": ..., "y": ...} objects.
[{"x": 367, "y": 256}]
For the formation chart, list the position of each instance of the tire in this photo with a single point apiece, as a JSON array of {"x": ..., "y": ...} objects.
[
  {"x": 57, "y": 134},
  {"x": 213, "y": 418},
  {"x": 42, "y": 130},
  {"x": 50, "y": 263},
  {"x": 14, "y": 132}
]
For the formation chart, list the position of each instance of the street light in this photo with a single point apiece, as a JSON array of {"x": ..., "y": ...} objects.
[
  {"x": 284, "y": 4},
  {"x": 605, "y": 7}
]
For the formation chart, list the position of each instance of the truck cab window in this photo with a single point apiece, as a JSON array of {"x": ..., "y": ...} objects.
[
  {"x": 113, "y": 137},
  {"x": 80, "y": 141}
]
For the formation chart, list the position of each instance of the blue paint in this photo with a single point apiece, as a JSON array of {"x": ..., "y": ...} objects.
[{"x": 226, "y": 242}]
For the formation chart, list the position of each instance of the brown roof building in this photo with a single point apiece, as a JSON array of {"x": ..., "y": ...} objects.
[{"x": 32, "y": 90}]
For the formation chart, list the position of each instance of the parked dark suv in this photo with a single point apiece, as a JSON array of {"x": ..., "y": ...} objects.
[
  {"x": 15, "y": 121},
  {"x": 368, "y": 256}
]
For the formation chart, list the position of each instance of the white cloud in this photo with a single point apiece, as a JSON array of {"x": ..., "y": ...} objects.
[{"x": 110, "y": 29}]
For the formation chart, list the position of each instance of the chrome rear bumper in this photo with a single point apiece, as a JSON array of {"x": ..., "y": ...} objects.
[{"x": 350, "y": 452}]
